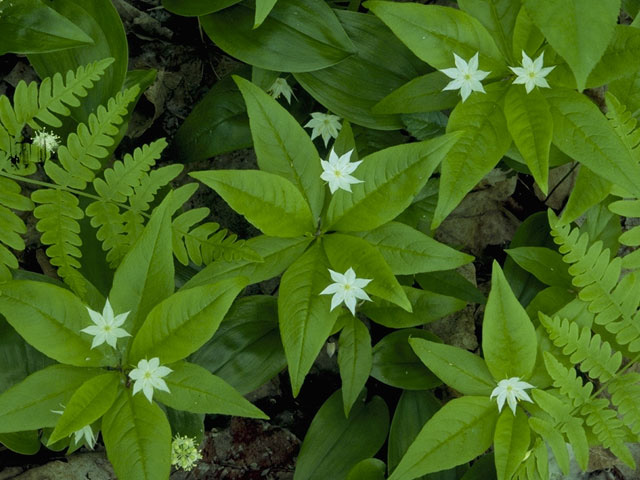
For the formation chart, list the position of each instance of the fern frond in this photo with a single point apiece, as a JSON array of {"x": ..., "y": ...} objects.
[
  {"x": 11, "y": 225},
  {"x": 106, "y": 217},
  {"x": 625, "y": 392},
  {"x": 32, "y": 103},
  {"x": 86, "y": 149},
  {"x": 58, "y": 214},
  {"x": 630, "y": 238},
  {"x": 608, "y": 428},
  {"x": 624, "y": 123},
  {"x": 594, "y": 355},
  {"x": 567, "y": 381}
]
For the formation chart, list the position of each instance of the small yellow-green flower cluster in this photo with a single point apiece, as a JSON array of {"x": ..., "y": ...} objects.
[{"x": 184, "y": 453}]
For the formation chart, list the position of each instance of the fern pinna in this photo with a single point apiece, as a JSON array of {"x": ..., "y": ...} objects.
[{"x": 116, "y": 199}]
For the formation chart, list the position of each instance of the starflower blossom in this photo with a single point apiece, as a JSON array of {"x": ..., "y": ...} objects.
[
  {"x": 532, "y": 74},
  {"x": 280, "y": 87},
  {"x": 511, "y": 390},
  {"x": 184, "y": 453},
  {"x": 148, "y": 375},
  {"x": 466, "y": 76},
  {"x": 46, "y": 141},
  {"x": 106, "y": 326},
  {"x": 347, "y": 288},
  {"x": 324, "y": 124},
  {"x": 85, "y": 432},
  {"x": 337, "y": 171}
]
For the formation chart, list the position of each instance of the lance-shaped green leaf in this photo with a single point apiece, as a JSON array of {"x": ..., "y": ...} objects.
[
  {"x": 409, "y": 251},
  {"x": 581, "y": 37},
  {"x": 268, "y": 201},
  {"x": 263, "y": 7},
  {"x": 458, "y": 368},
  {"x": 588, "y": 190},
  {"x": 138, "y": 438},
  {"x": 485, "y": 139},
  {"x": 28, "y": 405},
  {"x": 345, "y": 251},
  {"x": 554, "y": 439},
  {"x": 351, "y": 87},
  {"x": 50, "y": 319},
  {"x": 305, "y": 317},
  {"x": 422, "y": 94},
  {"x": 509, "y": 341},
  {"x": 196, "y": 8},
  {"x": 354, "y": 360},
  {"x": 146, "y": 275},
  {"x": 390, "y": 180},
  {"x": 426, "y": 307},
  {"x": 412, "y": 412},
  {"x": 30, "y": 26},
  {"x": 498, "y": 17},
  {"x": 334, "y": 444},
  {"x": 282, "y": 146},
  {"x": 619, "y": 60},
  {"x": 511, "y": 442},
  {"x": 88, "y": 404},
  {"x": 297, "y": 36},
  {"x": 526, "y": 36},
  {"x": 277, "y": 254},
  {"x": 434, "y": 32},
  {"x": 581, "y": 131},
  {"x": 185, "y": 321},
  {"x": 194, "y": 389},
  {"x": 545, "y": 264},
  {"x": 24, "y": 443},
  {"x": 456, "y": 434},
  {"x": 531, "y": 126},
  {"x": 368, "y": 469}
]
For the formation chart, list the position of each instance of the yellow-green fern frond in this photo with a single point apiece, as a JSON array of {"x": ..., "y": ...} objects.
[
  {"x": 11, "y": 226},
  {"x": 567, "y": 381},
  {"x": 625, "y": 395},
  {"x": 630, "y": 238},
  {"x": 594, "y": 355}
]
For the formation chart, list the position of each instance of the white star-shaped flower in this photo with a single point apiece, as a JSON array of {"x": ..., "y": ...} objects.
[
  {"x": 466, "y": 76},
  {"x": 531, "y": 74},
  {"x": 85, "y": 432},
  {"x": 280, "y": 87},
  {"x": 347, "y": 288},
  {"x": 148, "y": 375},
  {"x": 106, "y": 326},
  {"x": 46, "y": 141},
  {"x": 337, "y": 171},
  {"x": 324, "y": 124},
  {"x": 511, "y": 390}
]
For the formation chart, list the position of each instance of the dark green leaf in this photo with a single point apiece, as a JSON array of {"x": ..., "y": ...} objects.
[
  {"x": 354, "y": 360},
  {"x": 195, "y": 8}
]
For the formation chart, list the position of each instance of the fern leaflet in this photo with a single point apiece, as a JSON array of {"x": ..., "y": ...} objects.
[{"x": 625, "y": 392}]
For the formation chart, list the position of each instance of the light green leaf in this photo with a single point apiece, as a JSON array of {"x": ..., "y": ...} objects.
[
  {"x": 581, "y": 131},
  {"x": 589, "y": 190},
  {"x": 526, "y": 36},
  {"x": 531, "y": 126},
  {"x": 458, "y": 368},
  {"x": 434, "y": 32},
  {"x": 451, "y": 284},
  {"x": 354, "y": 360},
  {"x": 334, "y": 444},
  {"x": 409, "y": 251},
  {"x": 509, "y": 340},
  {"x": 345, "y": 251},
  {"x": 422, "y": 94},
  {"x": 580, "y": 37},
  {"x": 181, "y": 324},
  {"x": 554, "y": 439},
  {"x": 282, "y": 146},
  {"x": 268, "y": 201},
  {"x": 28, "y": 405},
  {"x": 427, "y": 307},
  {"x": 195, "y": 8},
  {"x": 32, "y": 27},
  {"x": 498, "y": 17},
  {"x": 88, "y": 404},
  {"x": 277, "y": 254},
  {"x": 391, "y": 178},
  {"x": 297, "y": 36},
  {"x": 138, "y": 438},
  {"x": 619, "y": 59},
  {"x": 545, "y": 264},
  {"x": 305, "y": 317},
  {"x": 50, "y": 319},
  {"x": 380, "y": 65},
  {"x": 194, "y": 389},
  {"x": 511, "y": 442},
  {"x": 368, "y": 469},
  {"x": 145, "y": 276},
  {"x": 246, "y": 351},
  {"x": 24, "y": 443},
  {"x": 459, "y": 432},
  {"x": 485, "y": 139},
  {"x": 413, "y": 410},
  {"x": 395, "y": 364},
  {"x": 263, "y": 7}
]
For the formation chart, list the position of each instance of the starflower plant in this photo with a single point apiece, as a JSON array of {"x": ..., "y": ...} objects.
[
  {"x": 347, "y": 288},
  {"x": 511, "y": 390},
  {"x": 280, "y": 87},
  {"x": 148, "y": 375},
  {"x": 184, "y": 453},
  {"x": 325, "y": 125},
  {"x": 466, "y": 76},
  {"x": 46, "y": 141},
  {"x": 337, "y": 171},
  {"x": 532, "y": 73},
  {"x": 106, "y": 327}
]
